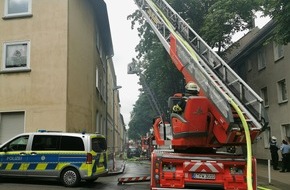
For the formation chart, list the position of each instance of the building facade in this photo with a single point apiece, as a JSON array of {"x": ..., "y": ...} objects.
[
  {"x": 54, "y": 67},
  {"x": 264, "y": 65}
]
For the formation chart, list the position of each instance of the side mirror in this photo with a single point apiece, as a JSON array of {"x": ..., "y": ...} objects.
[{"x": 4, "y": 149}]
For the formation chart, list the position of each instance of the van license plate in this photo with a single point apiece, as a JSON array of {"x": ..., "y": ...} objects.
[{"x": 203, "y": 176}]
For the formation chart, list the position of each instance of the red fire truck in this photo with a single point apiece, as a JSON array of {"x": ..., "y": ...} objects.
[{"x": 227, "y": 113}]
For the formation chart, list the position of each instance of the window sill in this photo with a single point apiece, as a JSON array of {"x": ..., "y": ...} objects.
[
  {"x": 261, "y": 69},
  {"x": 7, "y": 17},
  {"x": 24, "y": 70},
  {"x": 282, "y": 102},
  {"x": 278, "y": 59}
]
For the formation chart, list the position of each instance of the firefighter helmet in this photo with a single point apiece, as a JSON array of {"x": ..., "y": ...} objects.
[
  {"x": 192, "y": 88},
  {"x": 274, "y": 138}
]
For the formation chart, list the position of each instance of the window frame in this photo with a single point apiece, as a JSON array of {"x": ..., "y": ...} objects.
[
  {"x": 285, "y": 131},
  {"x": 280, "y": 92},
  {"x": 261, "y": 59},
  {"x": 17, "y": 15},
  {"x": 264, "y": 95},
  {"x": 4, "y": 57},
  {"x": 278, "y": 51}
]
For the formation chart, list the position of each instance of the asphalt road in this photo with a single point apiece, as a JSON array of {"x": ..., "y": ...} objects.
[{"x": 133, "y": 169}]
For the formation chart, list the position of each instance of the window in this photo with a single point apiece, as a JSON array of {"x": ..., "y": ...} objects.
[
  {"x": 45, "y": 142},
  {"x": 99, "y": 144},
  {"x": 278, "y": 51},
  {"x": 282, "y": 91},
  {"x": 18, "y": 144},
  {"x": 261, "y": 59},
  {"x": 17, "y": 8},
  {"x": 264, "y": 95},
  {"x": 72, "y": 143},
  {"x": 286, "y": 132},
  {"x": 16, "y": 56}
]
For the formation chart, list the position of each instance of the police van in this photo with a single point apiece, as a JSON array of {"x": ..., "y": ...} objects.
[{"x": 69, "y": 157}]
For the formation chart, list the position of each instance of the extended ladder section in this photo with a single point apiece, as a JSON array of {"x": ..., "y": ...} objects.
[{"x": 198, "y": 62}]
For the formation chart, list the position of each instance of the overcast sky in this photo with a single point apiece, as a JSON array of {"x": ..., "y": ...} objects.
[{"x": 124, "y": 42}]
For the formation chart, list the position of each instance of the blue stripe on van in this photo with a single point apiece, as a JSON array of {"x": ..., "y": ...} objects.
[
  {"x": 51, "y": 166},
  {"x": 31, "y": 166},
  {"x": 3, "y": 167},
  {"x": 72, "y": 158},
  {"x": 15, "y": 166}
]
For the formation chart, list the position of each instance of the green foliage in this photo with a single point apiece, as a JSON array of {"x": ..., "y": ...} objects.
[
  {"x": 225, "y": 18},
  {"x": 279, "y": 11}
]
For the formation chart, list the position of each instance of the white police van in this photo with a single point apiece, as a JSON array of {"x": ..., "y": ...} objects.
[{"x": 69, "y": 157}]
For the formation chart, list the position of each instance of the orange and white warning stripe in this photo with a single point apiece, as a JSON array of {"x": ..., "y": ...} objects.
[
  {"x": 208, "y": 167},
  {"x": 133, "y": 179}
]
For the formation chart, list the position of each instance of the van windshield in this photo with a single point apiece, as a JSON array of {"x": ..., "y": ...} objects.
[{"x": 99, "y": 144}]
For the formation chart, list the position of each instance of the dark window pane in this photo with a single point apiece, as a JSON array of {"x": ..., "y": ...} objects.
[
  {"x": 99, "y": 144},
  {"x": 72, "y": 143},
  {"x": 45, "y": 142}
]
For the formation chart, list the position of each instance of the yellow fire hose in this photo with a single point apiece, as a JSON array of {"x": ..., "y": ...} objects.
[{"x": 248, "y": 142}]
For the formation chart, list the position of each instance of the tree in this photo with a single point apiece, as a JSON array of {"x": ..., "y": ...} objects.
[
  {"x": 226, "y": 17},
  {"x": 279, "y": 11}
]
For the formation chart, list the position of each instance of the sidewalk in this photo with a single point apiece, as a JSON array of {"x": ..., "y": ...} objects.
[
  {"x": 276, "y": 181},
  {"x": 119, "y": 163}
]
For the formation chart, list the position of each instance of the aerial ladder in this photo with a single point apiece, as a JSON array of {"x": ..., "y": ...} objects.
[
  {"x": 199, "y": 63},
  {"x": 236, "y": 115}
]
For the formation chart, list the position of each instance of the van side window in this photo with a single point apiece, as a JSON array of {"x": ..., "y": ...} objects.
[
  {"x": 99, "y": 144},
  {"x": 72, "y": 143},
  {"x": 18, "y": 144},
  {"x": 45, "y": 142}
]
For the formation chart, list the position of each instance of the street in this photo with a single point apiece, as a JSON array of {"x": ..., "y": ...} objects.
[{"x": 133, "y": 169}]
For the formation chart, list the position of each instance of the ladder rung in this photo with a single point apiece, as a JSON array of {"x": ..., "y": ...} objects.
[
  {"x": 217, "y": 66},
  {"x": 193, "y": 39},
  {"x": 251, "y": 102},
  {"x": 237, "y": 80},
  {"x": 204, "y": 52}
]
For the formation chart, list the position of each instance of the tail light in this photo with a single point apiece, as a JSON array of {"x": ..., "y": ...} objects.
[{"x": 89, "y": 158}]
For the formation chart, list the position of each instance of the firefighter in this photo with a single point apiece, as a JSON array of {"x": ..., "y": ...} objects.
[
  {"x": 191, "y": 89},
  {"x": 274, "y": 152}
]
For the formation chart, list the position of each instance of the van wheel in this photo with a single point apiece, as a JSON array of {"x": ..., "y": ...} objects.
[{"x": 70, "y": 177}]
